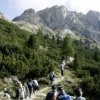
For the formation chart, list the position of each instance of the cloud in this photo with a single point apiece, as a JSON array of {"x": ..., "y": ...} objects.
[
  {"x": 83, "y": 5},
  {"x": 76, "y": 5},
  {"x": 36, "y": 4},
  {"x": 16, "y": 7}
]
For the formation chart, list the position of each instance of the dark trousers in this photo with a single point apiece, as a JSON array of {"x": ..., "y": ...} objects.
[
  {"x": 62, "y": 72},
  {"x": 30, "y": 91}
]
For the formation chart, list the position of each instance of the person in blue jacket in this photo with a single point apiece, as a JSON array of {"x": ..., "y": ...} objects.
[{"x": 62, "y": 94}]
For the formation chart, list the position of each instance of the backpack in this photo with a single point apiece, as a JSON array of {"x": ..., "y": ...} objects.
[
  {"x": 63, "y": 96},
  {"x": 54, "y": 96},
  {"x": 51, "y": 96},
  {"x": 52, "y": 76},
  {"x": 66, "y": 98},
  {"x": 30, "y": 84}
]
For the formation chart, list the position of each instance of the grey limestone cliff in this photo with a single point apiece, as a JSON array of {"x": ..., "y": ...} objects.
[{"x": 59, "y": 18}]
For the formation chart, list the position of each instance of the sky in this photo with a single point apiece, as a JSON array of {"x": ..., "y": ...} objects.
[{"x": 13, "y": 8}]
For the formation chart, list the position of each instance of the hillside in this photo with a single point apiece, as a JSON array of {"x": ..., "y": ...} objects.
[
  {"x": 20, "y": 51},
  {"x": 27, "y": 55}
]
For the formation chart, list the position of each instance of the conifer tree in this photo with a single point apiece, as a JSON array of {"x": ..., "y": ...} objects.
[
  {"x": 33, "y": 42},
  {"x": 96, "y": 58},
  {"x": 67, "y": 47},
  {"x": 76, "y": 63}
]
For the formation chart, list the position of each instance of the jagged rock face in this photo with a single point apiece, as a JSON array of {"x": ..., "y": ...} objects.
[
  {"x": 91, "y": 23},
  {"x": 54, "y": 17},
  {"x": 59, "y": 18},
  {"x": 30, "y": 16},
  {"x": 92, "y": 19}
]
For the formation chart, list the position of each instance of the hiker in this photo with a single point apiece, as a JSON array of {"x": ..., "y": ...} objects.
[
  {"x": 26, "y": 90},
  {"x": 52, "y": 94},
  {"x": 21, "y": 93},
  {"x": 62, "y": 94},
  {"x": 52, "y": 77},
  {"x": 30, "y": 87},
  {"x": 35, "y": 85},
  {"x": 78, "y": 94},
  {"x": 63, "y": 62},
  {"x": 62, "y": 69},
  {"x": 6, "y": 94}
]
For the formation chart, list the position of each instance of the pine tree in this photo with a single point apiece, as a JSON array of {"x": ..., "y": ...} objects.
[
  {"x": 76, "y": 64},
  {"x": 67, "y": 47},
  {"x": 96, "y": 58},
  {"x": 33, "y": 42}
]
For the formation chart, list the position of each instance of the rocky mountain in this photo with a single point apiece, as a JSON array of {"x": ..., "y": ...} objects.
[
  {"x": 30, "y": 16},
  {"x": 59, "y": 19}
]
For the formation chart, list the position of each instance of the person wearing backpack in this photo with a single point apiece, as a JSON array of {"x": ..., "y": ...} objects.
[
  {"x": 62, "y": 69},
  {"x": 52, "y": 77},
  {"x": 78, "y": 94},
  {"x": 30, "y": 87},
  {"x": 62, "y": 94},
  {"x": 35, "y": 85},
  {"x": 52, "y": 94},
  {"x": 21, "y": 93}
]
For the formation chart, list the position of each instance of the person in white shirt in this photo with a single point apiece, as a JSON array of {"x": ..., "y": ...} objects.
[
  {"x": 35, "y": 85},
  {"x": 21, "y": 93},
  {"x": 62, "y": 69},
  {"x": 63, "y": 62}
]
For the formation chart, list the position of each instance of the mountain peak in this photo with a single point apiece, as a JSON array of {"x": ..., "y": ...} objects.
[
  {"x": 59, "y": 18},
  {"x": 54, "y": 17},
  {"x": 28, "y": 15},
  {"x": 29, "y": 11}
]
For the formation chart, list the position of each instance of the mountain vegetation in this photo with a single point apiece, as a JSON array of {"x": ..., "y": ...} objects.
[{"x": 25, "y": 55}]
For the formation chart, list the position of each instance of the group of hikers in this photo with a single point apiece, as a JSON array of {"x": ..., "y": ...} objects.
[
  {"x": 24, "y": 90},
  {"x": 52, "y": 76},
  {"x": 60, "y": 94},
  {"x": 27, "y": 89},
  {"x": 31, "y": 86}
]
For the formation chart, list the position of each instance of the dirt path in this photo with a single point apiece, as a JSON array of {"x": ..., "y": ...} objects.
[{"x": 41, "y": 93}]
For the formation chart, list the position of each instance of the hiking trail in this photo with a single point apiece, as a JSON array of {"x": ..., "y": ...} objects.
[{"x": 42, "y": 92}]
